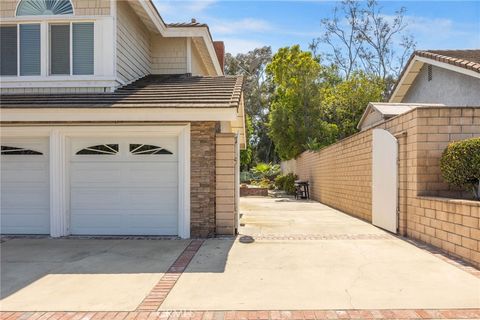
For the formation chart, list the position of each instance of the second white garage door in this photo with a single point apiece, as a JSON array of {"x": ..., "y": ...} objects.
[{"x": 124, "y": 186}]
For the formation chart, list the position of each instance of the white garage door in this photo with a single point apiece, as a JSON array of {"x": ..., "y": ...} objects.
[
  {"x": 124, "y": 186},
  {"x": 24, "y": 189}
]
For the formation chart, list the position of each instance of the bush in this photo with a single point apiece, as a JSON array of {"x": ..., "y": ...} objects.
[
  {"x": 286, "y": 183},
  {"x": 266, "y": 171},
  {"x": 264, "y": 183},
  {"x": 460, "y": 165}
]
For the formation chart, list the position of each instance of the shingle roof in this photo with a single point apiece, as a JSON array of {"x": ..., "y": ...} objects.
[
  {"x": 186, "y": 24},
  {"x": 468, "y": 59},
  {"x": 153, "y": 91}
]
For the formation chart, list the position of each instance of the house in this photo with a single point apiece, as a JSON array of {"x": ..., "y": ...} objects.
[
  {"x": 431, "y": 78},
  {"x": 115, "y": 123}
]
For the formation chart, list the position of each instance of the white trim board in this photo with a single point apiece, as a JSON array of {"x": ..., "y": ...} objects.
[
  {"x": 59, "y": 164},
  {"x": 117, "y": 114}
]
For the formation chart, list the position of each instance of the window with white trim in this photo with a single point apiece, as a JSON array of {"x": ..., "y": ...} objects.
[
  {"x": 71, "y": 48},
  {"x": 44, "y": 7}
]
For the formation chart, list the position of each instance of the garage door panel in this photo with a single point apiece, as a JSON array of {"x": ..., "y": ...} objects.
[
  {"x": 125, "y": 193},
  {"x": 27, "y": 197},
  {"x": 25, "y": 172},
  {"x": 96, "y": 173},
  {"x": 24, "y": 189},
  {"x": 95, "y": 198}
]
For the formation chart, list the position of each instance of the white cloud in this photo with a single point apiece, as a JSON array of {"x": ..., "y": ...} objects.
[
  {"x": 237, "y": 45},
  {"x": 239, "y": 26}
]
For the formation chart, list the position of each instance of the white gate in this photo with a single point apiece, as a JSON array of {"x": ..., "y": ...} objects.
[{"x": 384, "y": 180}]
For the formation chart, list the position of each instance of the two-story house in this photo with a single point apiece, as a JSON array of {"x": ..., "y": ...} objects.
[{"x": 114, "y": 122}]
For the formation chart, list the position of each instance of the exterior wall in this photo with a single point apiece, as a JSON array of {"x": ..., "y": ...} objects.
[
  {"x": 81, "y": 8},
  {"x": 198, "y": 67},
  {"x": 225, "y": 184},
  {"x": 133, "y": 45},
  {"x": 451, "y": 225},
  {"x": 340, "y": 176},
  {"x": 448, "y": 87},
  {"x": 373, "y": 118},
  {"x": 91, "y": 7},
  {"x": 288, "y": 166},
  {"x": 202, "y": 181},
  {"x": 169, "y": 55}
]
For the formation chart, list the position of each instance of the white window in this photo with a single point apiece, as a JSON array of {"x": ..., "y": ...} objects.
[{"x": 72, "y": 48}]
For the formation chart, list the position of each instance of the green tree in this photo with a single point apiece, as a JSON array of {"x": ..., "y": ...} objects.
[
  {"x": 246, "y": 155},
  {"x": 295, "y": 111},
  {"x": 344, "y": 102},
  {"x": 257, "y": 93}
]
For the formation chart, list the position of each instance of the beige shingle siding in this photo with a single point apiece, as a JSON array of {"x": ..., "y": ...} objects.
[
  {"x": 169, "y": 55},
  {"x": 7, "y": 8},
  {"x": 133, "y": 45}
]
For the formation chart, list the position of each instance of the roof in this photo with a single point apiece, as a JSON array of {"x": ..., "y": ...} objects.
[
  {"x": 388, "y": 110},
  {"x": 468, "y": 59},
  {"x": 186, "y": 24},
  {"x": 155, "y": 91},
  {"x": 464, "y": 61}
]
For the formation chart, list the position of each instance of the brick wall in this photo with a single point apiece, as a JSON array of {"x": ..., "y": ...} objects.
[
  {"x": 340, "y": 175},
  {"x": 225, "y": 186},
  {"x": 202, "y": 181}
]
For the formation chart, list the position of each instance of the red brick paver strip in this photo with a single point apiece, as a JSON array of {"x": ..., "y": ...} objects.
[
  {"x": 263, "y": 315},
  {"x": 368, "y": 236},
  {"x": 159, "y": 293}
]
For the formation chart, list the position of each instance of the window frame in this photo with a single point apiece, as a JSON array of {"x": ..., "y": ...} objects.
[{"x": 45, "y": 45}]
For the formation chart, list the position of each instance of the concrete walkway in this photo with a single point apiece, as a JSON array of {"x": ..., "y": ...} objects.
[{"x": 347, "y": 264}]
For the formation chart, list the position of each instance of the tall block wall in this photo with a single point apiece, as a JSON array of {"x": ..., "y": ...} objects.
[{"x": 340, "y": 176}]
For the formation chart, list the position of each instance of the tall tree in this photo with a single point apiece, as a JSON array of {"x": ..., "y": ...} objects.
[
  {"x": 344, "y": 103},
  {"x": 257, "y": 92},
  {"x": 295, "y": 112},
  {"x": 361, "y": 37}
]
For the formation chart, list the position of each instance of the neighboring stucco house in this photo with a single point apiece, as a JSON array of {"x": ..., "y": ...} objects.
[
  {"x": 115, "y": 123},
  {"x": 431, "y": 78}
]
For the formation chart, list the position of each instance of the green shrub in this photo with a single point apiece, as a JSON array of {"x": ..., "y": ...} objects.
[
  {"x": 460, "y": 165},
  {"x": 264, "y": 183},
  {"x": 286, "y": 183},
  {"x": 266, "y": 170}
]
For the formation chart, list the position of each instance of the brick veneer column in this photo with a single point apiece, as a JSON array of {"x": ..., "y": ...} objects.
[{"x": 202, "y": 181}]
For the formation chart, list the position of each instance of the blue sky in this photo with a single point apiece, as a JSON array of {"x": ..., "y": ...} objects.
[{"x": 244, "y": 25}]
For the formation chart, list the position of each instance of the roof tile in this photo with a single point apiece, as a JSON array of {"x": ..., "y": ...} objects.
[{"x": 153, "y": 91}]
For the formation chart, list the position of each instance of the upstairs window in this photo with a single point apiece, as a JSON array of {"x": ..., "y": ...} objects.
[
  {"x": 75, "y": 37},
  {"x": 8, "y": 50},
  {"x": 44, "y": 7},
  {"x": 29, "y": 49}
]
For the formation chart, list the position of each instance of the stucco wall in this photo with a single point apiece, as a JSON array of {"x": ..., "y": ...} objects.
[{"x": 447, "y": 87}]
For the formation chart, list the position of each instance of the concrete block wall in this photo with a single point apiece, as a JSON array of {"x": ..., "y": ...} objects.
[
  {"x": 340, "y": 176},
  {"x": 449, "y": 224},
  {"x": 225, "y": 183}
]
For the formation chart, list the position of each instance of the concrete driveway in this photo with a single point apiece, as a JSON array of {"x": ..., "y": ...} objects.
[
  {"x": 305, "y": 255},
  {"x": 291, "y": 255},
  {"x": 82, "y": 274}
]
